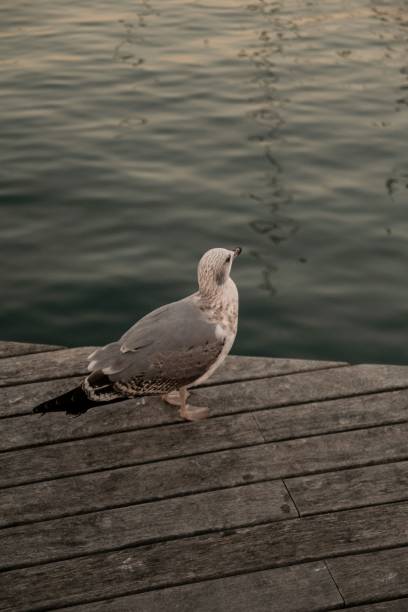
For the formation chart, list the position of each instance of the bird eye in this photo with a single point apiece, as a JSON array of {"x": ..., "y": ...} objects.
[{"x": 228, "y": 259}]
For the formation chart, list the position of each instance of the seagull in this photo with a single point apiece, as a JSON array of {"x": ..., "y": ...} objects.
[{"x": 169, "y": 350}]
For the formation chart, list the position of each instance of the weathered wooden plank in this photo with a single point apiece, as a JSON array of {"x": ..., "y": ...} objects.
[
  {"x": 237, "y": 397},
  {"x": 12, "y": 349},
  {"x": 124, "y": 486},
  {"x": 238, "y": 367},
  {"x": 22, "y": 398},
  {"x": 286, "y": 458},
  {"x": 277, "y": 424},
  {"x": 307, "y": 387},
  {"x": 71, "y": 362},
  {"x": 180, "y": 476},
  {"x": 126, "y": 448},
  {"x": 43, "y": 366},
  {"x": 193, "y": 559},
  {"x": 350, "y": 488},
  {"x": 394, "y": 605},
  {"x": 31, "y": 430},
  {"x": 297, "y": 588},
  {"x": 110, "y": 529},
  {"x": 334, "y": 415},
  {"x": 373, "y": 576}
]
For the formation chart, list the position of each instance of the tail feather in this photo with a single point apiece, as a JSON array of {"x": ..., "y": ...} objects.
[{"x": 74, "y": 402}]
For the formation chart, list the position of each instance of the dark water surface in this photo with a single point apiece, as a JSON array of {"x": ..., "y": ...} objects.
[{"x": 134, "y": 135}]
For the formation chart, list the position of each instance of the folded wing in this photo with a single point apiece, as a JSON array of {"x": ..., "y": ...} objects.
[{"x": 170, "y": 347}]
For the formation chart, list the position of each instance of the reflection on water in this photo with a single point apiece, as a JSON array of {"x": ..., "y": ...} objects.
[
  {"x": 395, "y": 53},
  {"x": 397, "y": 184},
  {"x": 128, "y": 52},
  {"x": 135, "y": 135},
  {"x": 273, "y": 222}
]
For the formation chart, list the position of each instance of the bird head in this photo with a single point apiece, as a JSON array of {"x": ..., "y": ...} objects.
[{"x": 214, "y": 269}]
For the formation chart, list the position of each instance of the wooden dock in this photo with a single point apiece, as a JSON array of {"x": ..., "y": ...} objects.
[{"x": 293, "y": 496}]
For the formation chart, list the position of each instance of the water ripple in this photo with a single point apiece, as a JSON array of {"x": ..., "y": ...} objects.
[{"x": 135, "y": 135}]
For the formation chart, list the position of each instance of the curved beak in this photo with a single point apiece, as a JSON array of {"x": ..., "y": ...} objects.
[{"x": 237, "y": 252}]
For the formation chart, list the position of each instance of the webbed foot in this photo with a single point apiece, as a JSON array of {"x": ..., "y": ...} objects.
[{"x": 193, "y": 413}]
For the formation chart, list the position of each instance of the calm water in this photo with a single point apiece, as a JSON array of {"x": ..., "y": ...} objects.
[{"x": 136, "y": 134}]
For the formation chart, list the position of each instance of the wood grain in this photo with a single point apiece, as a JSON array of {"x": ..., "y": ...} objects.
[
  {"x": 130, "y": 508},
  {"x": 333, "y": 415},
  {"x": 238, "y": 368},
  {"x": 395, "y": 605},
  {"x": 32, "y": 430},
  {"x": 133, "y": 525},
  {"x": 350, "y": 488},
  {"x": 282, "y": 459},
  {"x": 127, "y": 448},
  {"x": 280, "y": 423},
  {"x": 21, "y": 399},
  {"x": 308, "y": 387},
  {"x": 194, "y": 559},
  {"x": 132, "y": 485},
  {"x": 12, "y": 349},
  {"x": 374, "y": 576},
  {"x": 44, "y": 366},
  {"x": 298, "y": 588}
]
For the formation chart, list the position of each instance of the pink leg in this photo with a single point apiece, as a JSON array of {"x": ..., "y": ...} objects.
[{"x": 191, "y": 413}]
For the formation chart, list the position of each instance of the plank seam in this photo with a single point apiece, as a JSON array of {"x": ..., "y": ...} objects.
[
  {"x": 125, "y": 593},
  {"x": 16, "y": 449},
  {"x": 282, "y": 480},
  {"x": 261, "y": 567},
  {"x": 366, "y": 551},
  {"x": 28, "y": 412},
  {"x": 257, "y": 426},
  {"x": 277, "y": 375},
  {"x": 103, "y": 434},
  {"x": 357, "y": 507},
  {"x": 130, "y": 465},
  {"x": 40, "y": 380},
  {"x": 318, "y": 400},
  {"x": 291, "y": 497},
  {"x": 130, "y": 503},
  {"x": 367, "y": 602},
  {"x": 197, "y": 534},
  {"x": 151, "y": 541},
  {"x": 350, "y": 606},
  {"x": 153, "y": 500},
  {"x": 228, "y": 416},
  {"x": 202, "y": 386},
  {"x": 334, "y": 581},
  {"x": 46, "y": 350},
  {"x": 257, "y": 409}
]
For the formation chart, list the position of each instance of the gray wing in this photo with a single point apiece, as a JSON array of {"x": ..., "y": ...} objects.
[{"x": 175, "y": 343}]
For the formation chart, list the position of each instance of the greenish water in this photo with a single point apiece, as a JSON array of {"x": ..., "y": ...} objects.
[{"x": 137, "y": 134}]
